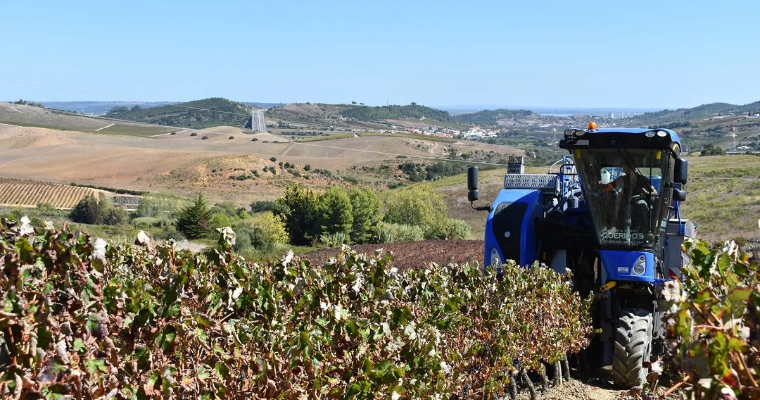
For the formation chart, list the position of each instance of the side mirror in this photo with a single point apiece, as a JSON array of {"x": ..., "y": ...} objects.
[
  {"x": 679, "y": 195},
  {"x": 680, "y": 171},
  {"x": 472, "y": 178},
  {"x": 472, "y": 184}
]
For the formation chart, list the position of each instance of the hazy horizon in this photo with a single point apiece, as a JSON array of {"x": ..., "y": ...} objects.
[
  {"x": 453, "y": 109},
  {"x": 587, "y": 54}
]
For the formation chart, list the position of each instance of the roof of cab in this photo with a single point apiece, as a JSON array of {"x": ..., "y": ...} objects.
[{"x": 637, "y": 131}]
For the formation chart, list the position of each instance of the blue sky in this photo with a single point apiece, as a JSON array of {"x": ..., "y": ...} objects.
[{"x": 637, "y": 54}]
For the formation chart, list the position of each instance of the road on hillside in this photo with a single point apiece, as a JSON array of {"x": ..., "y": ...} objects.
[{"x": 259, "y": 123}]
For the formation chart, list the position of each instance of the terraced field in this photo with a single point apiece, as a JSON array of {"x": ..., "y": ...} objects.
[{"x": 29, "y": 193}]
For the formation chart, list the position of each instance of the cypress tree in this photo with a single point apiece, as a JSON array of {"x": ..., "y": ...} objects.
[{"x": 195, "y": 220}]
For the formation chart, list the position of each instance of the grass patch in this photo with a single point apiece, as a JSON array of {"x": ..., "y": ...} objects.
[
  {"x": 724, "y": 196},
  {"x": 136, "y": 130},
  {"x": 429, "y": 138},
  {"x": 38, "y": 125},
  {"x": 368, "y": 134},
  {"x": 329, "y": 137}
]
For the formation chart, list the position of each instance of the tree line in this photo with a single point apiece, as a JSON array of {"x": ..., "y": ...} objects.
[{"x": 300, "y": 217}]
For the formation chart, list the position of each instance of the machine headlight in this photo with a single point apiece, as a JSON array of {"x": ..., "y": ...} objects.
[
  {"x": 639, "y": 266},
  {"x": 649, "y": 134},
  {"x": 579, "y": 132},
  {"x": 662, "y": 133},
  {"x": 495, "y": 260},
  {"x": 569, "y": 133}
]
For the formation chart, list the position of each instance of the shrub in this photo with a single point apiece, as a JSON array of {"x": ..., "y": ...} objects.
[
  {"x": 448, "y": 228},
  {"x": 393, "y": 233},
  {"x": 264, "y": 231},
  {"x": 220, "y": 219},
  {"x": 114, "y": 216},
  {"x": 273, "y": 159},
  {"x": 46, "y": 208},
  {"x": 712, "y": 150},
  {"x": 87, "y": 211},
  {"x": 147, "y": 222},
  {"x": 262, "y": 205},
  {"x": 158, "y": 207},
  {"x": 334, "y": 239}
]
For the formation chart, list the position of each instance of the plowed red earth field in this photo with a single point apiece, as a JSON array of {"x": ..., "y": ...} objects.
[{"x": 415, "y": 254}]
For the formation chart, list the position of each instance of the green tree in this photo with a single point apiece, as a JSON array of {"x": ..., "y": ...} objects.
[
  {"x": 114, "y": 216},
  {"x": 195, "y": 220},
  {"x": 334, "y": 212},
  {"x": 417, "y": 205},
  {"x": 298, "y": 209},
  {"x": 87, "y": 211},
  {"x": 264, "y": 231},
  {"x": 366, "y": 207},
  {"x": 712, "y": 150},
  {"x": 90, "y": 210},
  {"x": 157, "y": 206}
]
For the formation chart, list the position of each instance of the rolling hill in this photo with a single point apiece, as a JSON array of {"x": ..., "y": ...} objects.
[
  {"x": 411, "y": 111},
  {"x": 196, "y": 114},
  {"x": 39, "y": 117}
]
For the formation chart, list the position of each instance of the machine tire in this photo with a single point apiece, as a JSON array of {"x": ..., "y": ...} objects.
[{"x": 633, "y": 342}]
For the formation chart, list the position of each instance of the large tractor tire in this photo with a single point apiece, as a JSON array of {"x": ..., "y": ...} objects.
[{"x": 633, "y": 342}]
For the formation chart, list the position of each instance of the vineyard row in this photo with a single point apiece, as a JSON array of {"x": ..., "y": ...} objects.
[{"x": 31, "y": 194}]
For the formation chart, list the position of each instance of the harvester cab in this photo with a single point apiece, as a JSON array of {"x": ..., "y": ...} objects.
[{"x": 610, "y": 215}]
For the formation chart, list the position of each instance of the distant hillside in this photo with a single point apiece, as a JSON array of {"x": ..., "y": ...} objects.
[
  {"x": 704, "y": 111},
  {"x": 491, "y": 117},
  {"x": 263, "y": 105},
  {"x": 414, "y": 111},
  {"x": 99, "y": 107},
  {"x": 196, "y": 114},
  {"x": 33, "y": 116},
  {"x": 307, "y": 112}
]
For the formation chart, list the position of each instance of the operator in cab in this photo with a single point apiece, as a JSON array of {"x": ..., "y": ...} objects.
[{"x": 631, "y": 180}]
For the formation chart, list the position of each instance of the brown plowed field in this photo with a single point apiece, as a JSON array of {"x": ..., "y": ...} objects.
[{"x": 415, "y": 254}]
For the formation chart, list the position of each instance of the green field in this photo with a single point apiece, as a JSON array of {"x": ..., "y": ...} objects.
[
  {"x": 368, "y": 134},
  {"x": 136, "y": 130},
  {"x": 429, "y": 138},
  {"x": 723, "y": 197}
]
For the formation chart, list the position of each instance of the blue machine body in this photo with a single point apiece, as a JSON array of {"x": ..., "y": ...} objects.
[
  {"x": 509, "y": 228},
  {"x": 513, "y": 229},
  {"x": 610, "y": 215}
]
